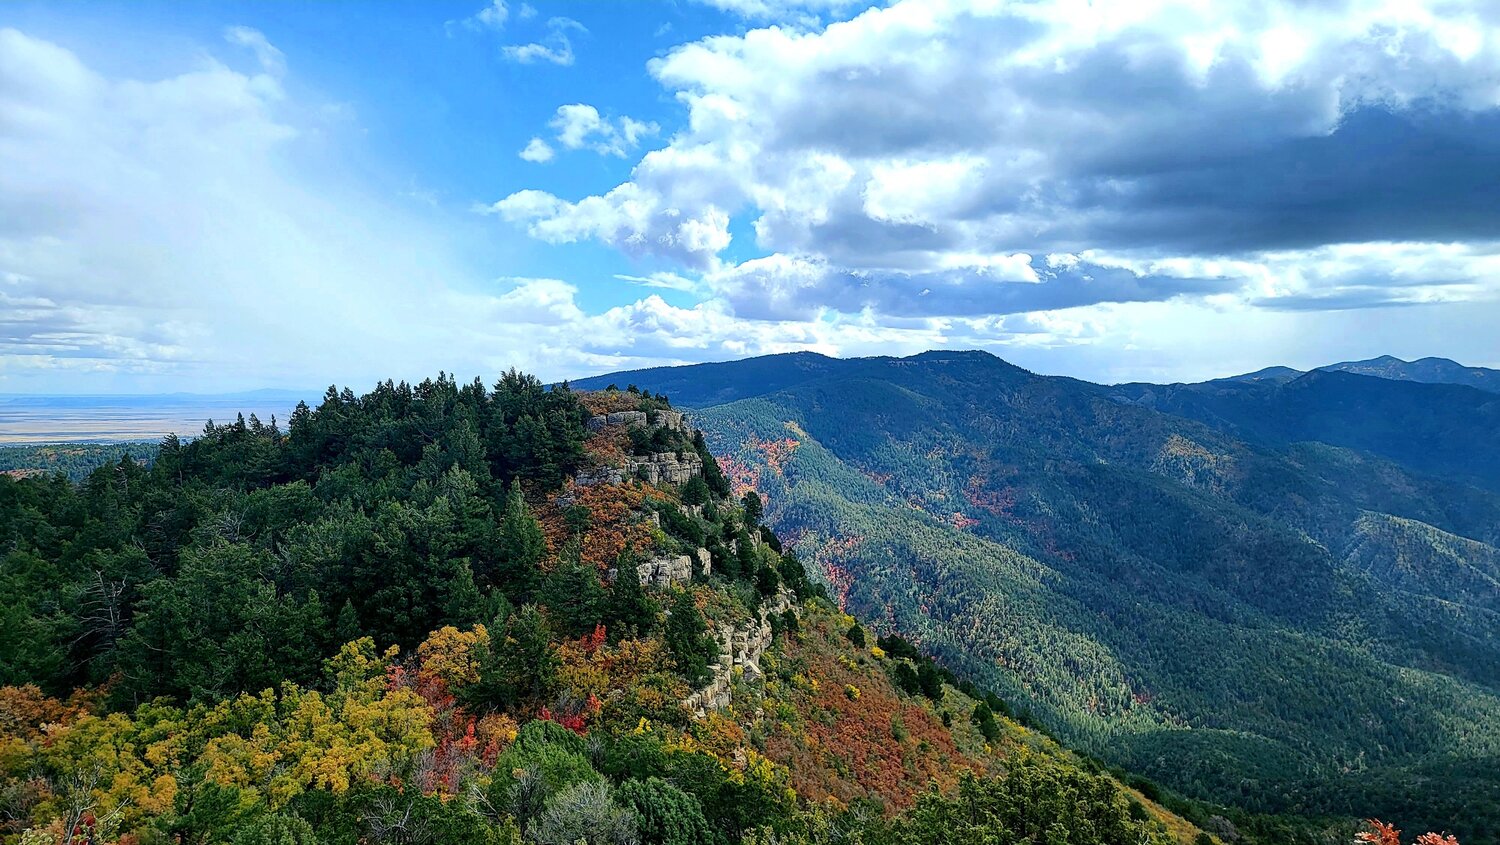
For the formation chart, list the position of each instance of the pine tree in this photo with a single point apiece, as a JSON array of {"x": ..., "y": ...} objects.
[
  {"x": 712, "y": 475},
  {"x": 695, "y": 491},
  {"x": 629, "y": 612},
  {"x": 463, "y": 604},
  {"x": 754, "y": 509},
  {"x": 521, "y": 548},
  {"x": 346, "y": 628},
  {"x": 693, "y": 650},
  {"x": 519, "y": 667},
  {"x": 573, "y": 595}
]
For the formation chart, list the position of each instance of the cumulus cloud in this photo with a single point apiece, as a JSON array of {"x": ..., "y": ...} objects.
[
  {"x": 900, "y": 161},
  {"x": 155, "y": 235},
  {"x": 179, "y": 233},
  {"x": 1089, "y": 189},
  {"x": 537, "y": 151},
  {"x": 579, "y": 125}
]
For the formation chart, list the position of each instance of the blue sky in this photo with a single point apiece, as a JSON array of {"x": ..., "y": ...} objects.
[{"x": 221, "y": 196}]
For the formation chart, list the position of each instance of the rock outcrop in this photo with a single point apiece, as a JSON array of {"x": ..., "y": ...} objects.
[
  {"x": 666, "y": 571},
  {"x": 618, "y": 418},
  {"x": 740, "y": 647},
  {"x": 677, "y": 569},
  {"x": 671, "y": 420},
  {"x": 655, "y": 468},
  {"x": 664, "y": 467}
]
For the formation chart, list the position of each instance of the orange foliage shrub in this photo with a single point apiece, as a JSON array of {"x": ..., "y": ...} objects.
[
  {"x": 878, "y": 745},
  {"x": 24, "y": 711},
  {"x": 609, "y": 401},
  {"x": 608, "y": 446},
  {"x": 831, "y": 558},
  {"x": 774, "y": 453},
  {"x": 996, "y": 502},
  {"x": 615, "y": 521},
  {"x": 1381, "y": 833}
]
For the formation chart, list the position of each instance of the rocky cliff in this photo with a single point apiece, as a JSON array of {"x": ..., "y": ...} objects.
[
  {"x": 674, "y": 467},
  {"x": 740, "y": 648},
  {"x": 678, "y": 569}
]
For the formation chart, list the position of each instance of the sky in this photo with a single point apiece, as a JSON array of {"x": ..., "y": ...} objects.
[{"x": 222, "y": 196}]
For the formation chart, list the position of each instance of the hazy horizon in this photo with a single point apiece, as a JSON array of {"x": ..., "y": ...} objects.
[{"x": 311, "y": 394}]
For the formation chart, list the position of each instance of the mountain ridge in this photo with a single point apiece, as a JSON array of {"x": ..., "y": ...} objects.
[{"x": 1037, "y": 502}]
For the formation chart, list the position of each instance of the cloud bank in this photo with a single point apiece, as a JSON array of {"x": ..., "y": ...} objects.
[{"x": 945, "y": 159}]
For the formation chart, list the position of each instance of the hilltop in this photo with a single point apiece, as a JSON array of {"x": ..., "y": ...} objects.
[{"x": 447, "y": 612}]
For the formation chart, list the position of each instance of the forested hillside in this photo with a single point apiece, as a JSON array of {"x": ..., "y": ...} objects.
[
  {"x": 450, "y": 613},
  {"x": 1252, "y": 617},
  {"x": 74, "y": 460},
  {"x": 1439, "y": 430}
]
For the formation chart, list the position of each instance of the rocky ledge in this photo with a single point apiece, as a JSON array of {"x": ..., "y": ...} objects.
[
  {"x": 656, "y": 468},
  {"x": 740, "y": 647},
  {"x": 671, "y": 420},
  {"x": 666, "y": 571}
]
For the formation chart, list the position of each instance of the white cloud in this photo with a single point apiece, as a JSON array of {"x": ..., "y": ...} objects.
[
  {"x": 492, "y": 17},
  {"x": 919, "y": 155},
  {"x": 272, "y": 61},
  {"x": 579, "y": 125},
  {"x": 538, "y": 302},
  {"x": 182, "y": 233},
  {"x": 1046, "y": 181},
  {"x": 537, "y": 151},
  {"x": 628, "y": 218},
  {"x": 556, "y": 48}
]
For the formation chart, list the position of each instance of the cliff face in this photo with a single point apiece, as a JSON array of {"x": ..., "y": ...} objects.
[
  {"x": 740, "y": 647},
  {"x": 658, "y": 467},
  {"x": 666, "y": 571}
]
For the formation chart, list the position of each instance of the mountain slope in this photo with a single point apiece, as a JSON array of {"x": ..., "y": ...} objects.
[
  {"x": 1442, "y": 430},
  {"x": 1173, "y": 596}
]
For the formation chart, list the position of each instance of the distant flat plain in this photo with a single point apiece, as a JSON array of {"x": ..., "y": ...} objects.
[{"x": 34, "y": 419}]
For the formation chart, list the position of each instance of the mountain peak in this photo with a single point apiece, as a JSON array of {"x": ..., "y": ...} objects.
[{"x": 1431, "y": 370}]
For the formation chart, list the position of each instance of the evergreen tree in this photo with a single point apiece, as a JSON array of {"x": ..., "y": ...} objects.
[
  {"x": 573, "y": 595},
  {"x": 767, "y": 582},
  {"x": 754, "y": 509},
  {"x": 630, "y": 612},
  {"x": 712, "y": 474},
  {"x": 665, "y": 814},
  {"x": 346, "y": 628},
  {"x": 984, "y": 718},
  {"x": 856, "y": 635},
  {"x": 695, "y": 491},
  {"x": 688, "y": 640},
  {"x": 521, "y": 546},
  {"x": 520, "y": 666},
  {"x": 463, "y": 604}
]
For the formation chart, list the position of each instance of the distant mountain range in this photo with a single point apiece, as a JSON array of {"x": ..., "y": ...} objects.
[
  {"x": 1426, "y": 370},
  {"x": 1278, "y": 590}
]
